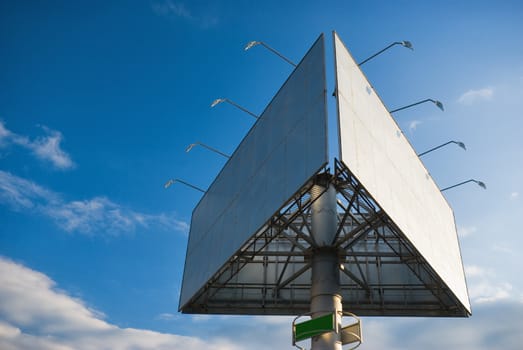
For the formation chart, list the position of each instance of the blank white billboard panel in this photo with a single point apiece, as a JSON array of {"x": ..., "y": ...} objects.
[
  {"x": 378, "y": 154},
  {"x": 282, "y": 151}
]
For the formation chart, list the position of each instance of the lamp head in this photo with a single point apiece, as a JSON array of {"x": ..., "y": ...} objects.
[
  {"x": 217, "y": 101},
  {"x": 407, "y": 44},
  {"x": 190, "y": 147},
  {"x": 482, "y": 185},
  {"x": 439, "y": 104},
  {"x": 168, "y": 183},
  {"x": 251, "y": 44},
  {"x": 461, "y": 144}
]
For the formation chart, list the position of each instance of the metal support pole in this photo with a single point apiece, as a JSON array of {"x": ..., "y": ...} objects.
[{"x": 325, "y": 291}]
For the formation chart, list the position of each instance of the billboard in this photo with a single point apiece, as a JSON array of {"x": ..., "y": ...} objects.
[
  {"x": 285, "y": 147},
  {"x": 375, "y": 150}
]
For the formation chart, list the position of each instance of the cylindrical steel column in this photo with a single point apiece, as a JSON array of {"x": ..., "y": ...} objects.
[{"x": 325, "y": 293}]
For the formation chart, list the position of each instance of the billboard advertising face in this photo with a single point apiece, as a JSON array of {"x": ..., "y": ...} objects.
[
  {"x": 375, "y": 150},
  {"x": 285, "y": 147}
]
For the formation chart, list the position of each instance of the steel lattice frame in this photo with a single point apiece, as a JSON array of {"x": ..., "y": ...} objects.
[{"x": 381, "y": 273}]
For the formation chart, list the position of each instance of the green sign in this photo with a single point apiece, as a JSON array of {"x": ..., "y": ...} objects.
[{"x": 314, "y": 327}]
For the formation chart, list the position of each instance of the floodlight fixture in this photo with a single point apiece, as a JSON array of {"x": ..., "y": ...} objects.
[
  {"x": 192, "y": 145},
  {"x": 436, "y": 102},
  {"x": 217, "y": 101},
  {"x": 220, "y": 100},
  {"x": 407, "y": 44},
  {"x": 480, "y": 184},
  {"x": 173, "y": 181},
  {"x": 255, "y": 43},
  {"x": 459, "y": 143},
  {"x": 404, "y": 43}
]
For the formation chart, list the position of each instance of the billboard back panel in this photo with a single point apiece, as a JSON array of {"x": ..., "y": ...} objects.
[
  {"x": 376, "y": 151},
  {"x": 286, "y": 146}
]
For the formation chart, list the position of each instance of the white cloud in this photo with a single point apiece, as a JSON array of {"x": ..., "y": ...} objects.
[
  {"x": 34, "y": 314},
  {"x": 482, "y": 331},
  {"x": 4, "y": 133},
  {"x": 413, "y": 125},
  {"x": 282, "y": 321},
  {"x": 466, "y": 231},
  {"x": 503, "y": 249},
  {"x": 46, "y": 148},
  {"x": 472, "y": 96},
  {"x": 200, "y": 318},
  {"x": 474, "y": 271},
  {"x": 19, "y": 193},
  {"x": 487, "y": 293},
  {"x": 166, "y": 317},
  {"x": 514, "y": 195},
  {"x": 98, "y": 214},
  {"x": 484, "y": 286},
  {"x": 171, "y": 9}
]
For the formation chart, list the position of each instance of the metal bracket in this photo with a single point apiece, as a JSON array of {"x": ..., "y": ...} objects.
[{"x": 349, "y": 334}]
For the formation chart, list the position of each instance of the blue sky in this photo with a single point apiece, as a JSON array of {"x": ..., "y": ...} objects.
[{"x": 98, "y": 101}]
